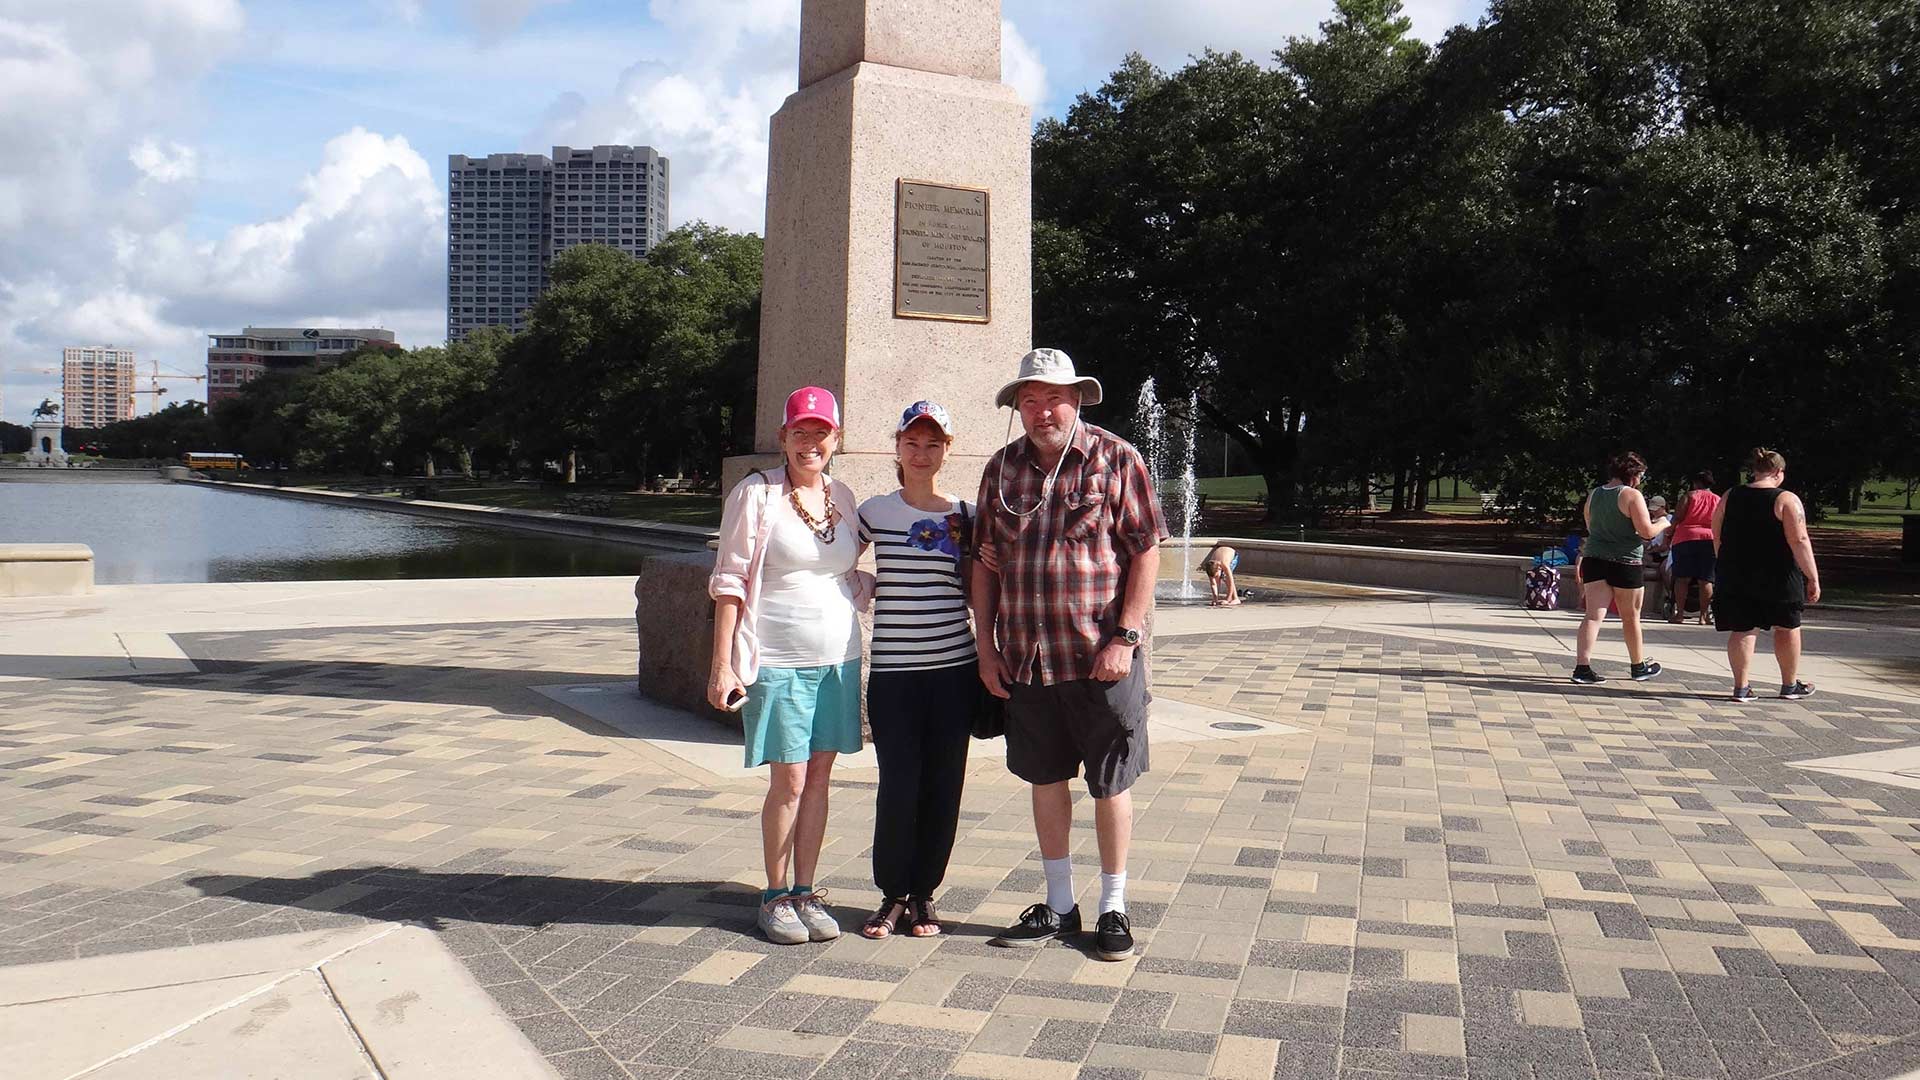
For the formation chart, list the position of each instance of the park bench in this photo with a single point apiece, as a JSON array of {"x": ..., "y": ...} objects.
[{"x": 671, "y": 485}]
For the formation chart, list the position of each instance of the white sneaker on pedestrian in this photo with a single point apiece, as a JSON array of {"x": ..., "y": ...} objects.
[
  {"x": 779, "y": 922},
  {"x": 814, "y": 916}
]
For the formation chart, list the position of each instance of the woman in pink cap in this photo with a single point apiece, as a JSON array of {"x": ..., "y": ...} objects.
[{"x": 786, "y": 650}]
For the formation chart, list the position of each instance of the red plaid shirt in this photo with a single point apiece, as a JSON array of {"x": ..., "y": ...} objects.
[{"x": 1064, "y": 567}]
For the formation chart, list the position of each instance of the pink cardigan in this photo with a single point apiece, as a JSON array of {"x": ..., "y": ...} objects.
[{"x": 741, "y": 560}]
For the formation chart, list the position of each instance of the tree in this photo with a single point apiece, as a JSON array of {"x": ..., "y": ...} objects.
[
  {"x": 261, "y": 422},
  {"x": 646, "y": 363},
  {"x": 166, "y": 435},
  {"x": 1674, "y": 225},
  {"x": 15, "y": 439},
  {"x": 351, "y": 413},
  {"x": 1258, "y": 232}
]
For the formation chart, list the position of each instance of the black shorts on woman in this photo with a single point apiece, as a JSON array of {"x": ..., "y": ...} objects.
[{"x": 1620, "y": 575}]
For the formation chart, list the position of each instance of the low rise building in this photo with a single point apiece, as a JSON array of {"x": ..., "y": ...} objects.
[{"x": 233, "y": 360}]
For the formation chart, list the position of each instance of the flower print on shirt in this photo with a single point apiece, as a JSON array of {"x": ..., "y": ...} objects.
[{"x": 929, "y": 534}]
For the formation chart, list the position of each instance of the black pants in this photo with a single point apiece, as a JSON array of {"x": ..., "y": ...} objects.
[{"x": 921, "y": 722}]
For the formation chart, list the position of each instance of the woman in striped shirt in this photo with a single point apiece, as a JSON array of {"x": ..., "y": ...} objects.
[{"x": 923, "y": 686}]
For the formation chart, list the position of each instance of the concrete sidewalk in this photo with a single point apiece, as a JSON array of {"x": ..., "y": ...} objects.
[
  {"x": 1433, "y": 856},
  {"x": 1840, "y": 655},
  {"x": 377, "y": 1002},
  {"x": 122, "y": 630},
  {"x": 125, "y": 629}
]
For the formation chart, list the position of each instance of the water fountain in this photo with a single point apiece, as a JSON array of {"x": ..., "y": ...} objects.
[{"x": 1167, "y": 439}]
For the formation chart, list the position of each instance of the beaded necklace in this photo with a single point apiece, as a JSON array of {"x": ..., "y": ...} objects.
[{"x": 822, "y": 529}]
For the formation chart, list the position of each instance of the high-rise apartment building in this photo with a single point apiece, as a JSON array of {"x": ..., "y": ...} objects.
[
  {"x": 508, "y": 215},
  {"x": 96, "y": 384},
  {"x": 233, "y": 360}
]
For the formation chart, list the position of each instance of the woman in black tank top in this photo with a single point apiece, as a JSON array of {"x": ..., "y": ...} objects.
[
  {"x": 1765, "y": 573},
  {"x": 1754, "y": 559}
]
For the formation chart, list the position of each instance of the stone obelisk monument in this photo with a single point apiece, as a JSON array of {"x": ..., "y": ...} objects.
[{"x": 899, "y": 231}]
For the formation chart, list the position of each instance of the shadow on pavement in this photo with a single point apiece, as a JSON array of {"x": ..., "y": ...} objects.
[
  {"x": 440, "y": 899},
  {"x": 507, "y": 691},
  {"x": 1558, "y": 686}
]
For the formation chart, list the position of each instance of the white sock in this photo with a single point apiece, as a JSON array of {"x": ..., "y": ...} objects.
[
  {"x": 1059, "y": 883},
  {"x": 1113, "y": 892}
]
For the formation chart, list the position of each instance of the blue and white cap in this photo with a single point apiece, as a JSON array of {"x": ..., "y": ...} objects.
[{"x": 926, "y": 410}]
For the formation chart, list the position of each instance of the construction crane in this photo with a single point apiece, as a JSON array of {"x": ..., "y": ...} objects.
[
  {"x": 156, "y": 390},
  {"x": 156, "y": 393}
]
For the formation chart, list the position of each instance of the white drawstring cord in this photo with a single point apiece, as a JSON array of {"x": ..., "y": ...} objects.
[{"x": 1046, "y": 490}]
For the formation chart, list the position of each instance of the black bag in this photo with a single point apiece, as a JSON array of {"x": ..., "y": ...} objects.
[{"x": 989, "y": 712}]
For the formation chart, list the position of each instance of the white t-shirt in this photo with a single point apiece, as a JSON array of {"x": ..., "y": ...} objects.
[
  {"x": 806, "y": 616},
  {"x": 919, "y": 612}
]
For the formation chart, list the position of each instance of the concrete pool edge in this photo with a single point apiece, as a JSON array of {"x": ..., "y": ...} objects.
[{"x": 654, "y": 535}]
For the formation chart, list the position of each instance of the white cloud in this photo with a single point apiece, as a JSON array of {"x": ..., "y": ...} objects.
[
  {"x": 1100, "y": 32},
  {"x": 92, "y": 96},
  {"x": 164, "y": 162},
  {"x": 1021, "y": 66},
  {"x": 707, "y": 109},
  {"x": 95, "y": 207},
  {"x": 369, "y": 230},
  {"x": 710, "y": 26},
  {"x": 495, "y": 19}
]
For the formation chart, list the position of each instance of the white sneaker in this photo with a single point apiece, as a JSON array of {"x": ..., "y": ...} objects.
[
  {"x": 780, "y": 924},
  {"x": 814, "y": 916}
]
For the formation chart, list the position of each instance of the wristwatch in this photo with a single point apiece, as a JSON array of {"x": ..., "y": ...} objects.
[{"x": 1130, "y": 637}]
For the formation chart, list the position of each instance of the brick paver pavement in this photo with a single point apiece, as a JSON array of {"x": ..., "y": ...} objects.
[{"x": 1463, "y": 868}]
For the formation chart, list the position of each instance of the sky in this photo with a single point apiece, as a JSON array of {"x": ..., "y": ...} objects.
[{"x": 174, "y": 168}]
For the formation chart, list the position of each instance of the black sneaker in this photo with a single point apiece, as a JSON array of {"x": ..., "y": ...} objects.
[
  {"x": 1796, "y": 691},
  {"x": 1113, "y": 936},
  {"x": 1038, "y": 925},
  {"x": 1586, "y": 676},
  {"x": 1743, "y": 693},
  {"x": 1645, "y": 670}
]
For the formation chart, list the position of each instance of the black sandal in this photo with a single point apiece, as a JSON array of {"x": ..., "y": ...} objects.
[
  {"x": 886, "y": 919},
  {"x": 924, "y": 915}
]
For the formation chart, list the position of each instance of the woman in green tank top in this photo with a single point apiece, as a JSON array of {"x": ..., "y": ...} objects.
[{"x": 1610, "y": 569}]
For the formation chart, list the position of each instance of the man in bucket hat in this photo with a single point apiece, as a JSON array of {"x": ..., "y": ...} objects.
[{"x": 1070, "y": 527}]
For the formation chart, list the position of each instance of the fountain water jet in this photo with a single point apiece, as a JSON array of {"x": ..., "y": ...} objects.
[{"x": 1162, "y": 448}]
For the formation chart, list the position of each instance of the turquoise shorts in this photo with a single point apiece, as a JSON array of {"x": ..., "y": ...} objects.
[{"x": 793, "y": 713}]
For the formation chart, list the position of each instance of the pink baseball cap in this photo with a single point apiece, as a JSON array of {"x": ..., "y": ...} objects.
[{"x": 813, "y": 403}]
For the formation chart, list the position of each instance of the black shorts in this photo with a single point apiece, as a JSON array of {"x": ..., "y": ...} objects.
[
  {"x": 1054, "y": 731},
  {"x": 1738, "y": 614},
  {"x": 1620, "y": 575}
]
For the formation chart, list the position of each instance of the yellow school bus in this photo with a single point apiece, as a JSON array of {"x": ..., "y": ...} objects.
[{"x": 215, "y": 461}]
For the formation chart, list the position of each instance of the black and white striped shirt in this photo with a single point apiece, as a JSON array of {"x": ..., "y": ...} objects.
[{"x": 919, "y": 612}]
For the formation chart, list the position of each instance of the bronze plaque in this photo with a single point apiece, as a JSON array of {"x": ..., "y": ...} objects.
[{"x": 940, "y": 264}]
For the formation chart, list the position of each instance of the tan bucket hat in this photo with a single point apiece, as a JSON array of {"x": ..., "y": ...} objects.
[{"x": 1053, "y": 367}]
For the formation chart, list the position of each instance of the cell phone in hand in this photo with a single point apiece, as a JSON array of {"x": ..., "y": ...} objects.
[{"x": 736, "y": 700}]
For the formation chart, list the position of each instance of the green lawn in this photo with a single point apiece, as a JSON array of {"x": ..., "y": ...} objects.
[{"x": 1881, "y": 511}]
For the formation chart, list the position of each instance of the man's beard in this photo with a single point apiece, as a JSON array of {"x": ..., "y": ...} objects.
[{"x": 1050, "y": 439}]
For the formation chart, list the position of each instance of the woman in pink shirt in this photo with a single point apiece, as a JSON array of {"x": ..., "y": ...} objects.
[{"x": 1693, "y": 546}]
